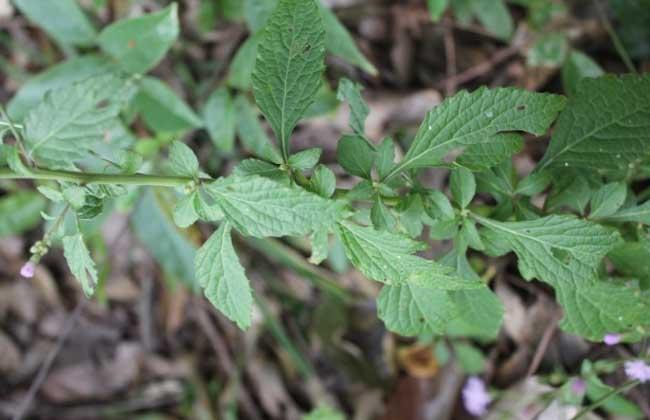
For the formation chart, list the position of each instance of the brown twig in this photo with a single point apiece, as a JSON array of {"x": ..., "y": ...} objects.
[{"x": 543, "y": 345}]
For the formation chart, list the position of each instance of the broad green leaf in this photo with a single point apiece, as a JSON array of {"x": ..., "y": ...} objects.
[
  {"x": 19, "y": 212},
  {"x": 607, "y": 200},
  {"x": 339, "y": 42},
  {"x": 463, "y": 186},
  {"x": 305, "y": 159},
  {"x": 351, "y": 92},
  {"x": 261, "y": 207},
  {"x": 495, "y": 17},
  {"x": 154, "y": 227},
  {"x": 75, "y": 119},
  {"x": 355, "y": 155},
  {"x": 437, "y": 8},
  {"x": 182, "y": 160},
  {"x": 576, "y": 67},
  {"x": 138, "y": 44},
  {"x": 63, "y": 20},
  {"x": 223, "y": 278},
  {"x": 80, "y": 263},
  {"x": 220, "y": 120},
  {"x": 323, "y": 181},
  {"x": 252, "y": 134},
  {"x": 161, "y": 108},
  {"x": 635, "y": 214},
  {"x": 605, "y": 126},
  {"x": 61, "y": 74},
  {"x": 548, "y": 51},
  {"x": 482, "y": 156},
  {"x": 240, "y": 72},
  {"x": 476, "y": 117},
  {"x": 289, "y": 65},
  {"x": 411, "y": 310}
]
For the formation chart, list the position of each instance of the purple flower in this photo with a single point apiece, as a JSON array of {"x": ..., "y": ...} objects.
[
  {"x": 578, "y": 386},
  {"x": 475, "y": 396},
  {"x": 637, "y": 369},
  {"x": 27, "y": 270},
  {"x": 612, "y": 339}
]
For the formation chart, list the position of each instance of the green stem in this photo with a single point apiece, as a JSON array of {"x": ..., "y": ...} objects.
[
  {"x": 601, "y": 400},
  {"x": 97, "y": 178},
  {"x": 9, "y": 124}
]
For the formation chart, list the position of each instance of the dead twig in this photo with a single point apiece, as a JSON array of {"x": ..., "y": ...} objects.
[{"x": 543, "y": 345}]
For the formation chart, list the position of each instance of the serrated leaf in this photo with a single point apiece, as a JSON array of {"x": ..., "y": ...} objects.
[
  {"x": 73, "y": 120},
  {"x": 182, "y": 160},
  {"x": 289, "y": 65},
  {"x": 482, "y": 156},
  {"x": 607, "y": 199},
  {"x": 635, "y": 214},
  {"x": 305, "y": 159},
  {"x": 351, "y": 92},
  {"x": 138, "y": 44},
  {"x": 220, "y": 120},
  {"x": 355, "y": 155},
  {"x": 463, "y": 186},
  {"x": 162, "y": 109},
  {"x": 61, "y": 19},
  {"x": 261, "y": 207},
  {"x": 80, "y": 263},
  {"x": 476, "y": 117},
  {"x": 19, "y": 212},
  {"x": 605, "y": 126},
  {"x": 223, "y": 278}
]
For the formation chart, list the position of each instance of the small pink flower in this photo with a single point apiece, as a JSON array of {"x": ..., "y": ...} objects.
[
  {"x": 637, "y": 369},
  {"x": 612, "y": 339},
  {"x": 27, "y": 270},
  {"x": 475, "y": 396},
  {"x": 578, "y": 386}
]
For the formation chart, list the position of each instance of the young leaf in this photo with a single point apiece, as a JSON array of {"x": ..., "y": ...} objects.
[
  {"x": 80, "y": 263},
  {"x": 323, "y": 181},
  {"x": 182, "y": 160},
  {"x": 223, "y": 278},
  {"x": 437, "y": 206},
  {"x": 607, "y": 200},
  {"x": 604, "y": 126},
  {"x": 249, "y": 167},
  {"x": 185, "y": 214},
  {"x": 73, "y": 120},
  {"x": 261, "y": 207},
  {"x": 289, "y": 65},
  {"x": 463, "y": 186},
  {"x": 220, "y": 120},
  {"x": 385, "y": 157},
  {"x": 138, "y": 44},
  {"x": 63, "y": 20},
  {"x": 305, "y": 159},
  {"x": 356, "y": 156},
  {"x": 494, "y": 15},
  {"x": 472, "y": 118},
  {"x": 351, "y": 92},
  {"x": 381, "y": 216},
  {"x": 550, "y": 50},
  {"x": 162, "y": 110}
]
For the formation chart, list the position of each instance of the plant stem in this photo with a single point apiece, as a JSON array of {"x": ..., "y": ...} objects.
[
  {"x": 618, "y": 45},
  {"x": 601, "y": 400},
  {"x": 97, "y": 178}
]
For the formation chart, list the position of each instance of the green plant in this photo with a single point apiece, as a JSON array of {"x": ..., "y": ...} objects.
[{"x": 76, "y": 141}]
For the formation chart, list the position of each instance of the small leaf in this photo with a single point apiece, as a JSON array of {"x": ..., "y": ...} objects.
[
  {"x": 470, "y": 234},
  {"x": 494, "y": 15},
  {"x": 75, "y": 196},
  {"x": 351, "y": 92},
  {"x": 548, "y": 51},
  {"x": 463, "y": 186},
  {"x": 607, "y": 200},
  {"x": 437, "y": 206},
  {"x": 634, "y": 214},
  {"x": 19, "y": 212},
  {"x": 289, "y": 65},
  {"x": 323, "y": 181},
  {"x": 223, "y": 278},
  {"x": 385, "y": 160},
  {"x": 185, "y": 214},
  {"x": 306, "y": 159},
  {"x": 319, "y": 245},
  {"x": 138, "y": 44},
  {"x": 249, "y": 167},
  {"x": 80, "y": 263},
  {"x": 161, "y": 108},
  {"x": 534, "y": 183},
  {"x": 576, "y": 67},
  {"x": 437, "y": 8},
  {"x": 240, "y": 73},
  {"x": 252, "y": 134},
  {"x": 381, "y": 216},
  {"x": 220, "y": 120},
  {"x": 355, "y": 155},
  {"x": 182, "y": 160}
]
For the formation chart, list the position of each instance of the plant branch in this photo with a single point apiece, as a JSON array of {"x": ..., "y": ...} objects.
[{"x": 626, "y": 386}]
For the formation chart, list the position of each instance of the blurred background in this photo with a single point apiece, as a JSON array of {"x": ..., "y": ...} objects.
[{"x": 148, "y": 346}]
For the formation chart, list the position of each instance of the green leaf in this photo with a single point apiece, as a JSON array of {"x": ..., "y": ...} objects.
[
  {"x": 351, "y": 92},
  {"x": 80, "y": 263},
  {"x": 223, "y": 278},
  {"x": 319, "y": 245},
  {"x": 140, "y": 43},
  {"x": 258, "y": 12},
  {"x": 289, "y": 65},
  {"x": 73, "y": 120},
  {"x": 495, "y": 17},
  {"x": 252, "y": 134},
  {"x": 339, "y": 42},
  {"x": 385, "y": 160},
  {"x": 437, "y": 206},
  {"x": 355, "y": 155},
  {"x": 607, "y": 200},
  {"x": 220, "y": 120},
  {"x": 185, "y": 214},
  {"x": 182, "y": 160},
  {"x": 473, "y": 118},
  {"x": 161, "y": 108},
  {"x": 635, "y": 214},
  {"x": 249, "y": 167},
  {"x": 437, "y": 8},
  {"x": 324, "y": 413},
  {"x": 481, "y": 156},
  {"x": 305, "y": 159},
  {"x": 261, "y": 207},
  {"x": 463, "y": 186},
  {"x": 604, "y": 126},
  {"x": 323, "y": 181},
  {"x": 240, "y": 73},
  {"x": 550, "y": 50},
  {"x": 576, "y": 67},
  {"x": 19, "y": 212},
  {"x": 533, "y": 184},
  {"x": 470, "y": 358},
  {"x": 55, "y": 77},
  {"x": 75, "y": 196},
  {"x": 63, "y": 20},
  {"x": 471, "y": 236},
  {"x": 633, "y": 259},
  {"x": 381, "y": 216}
]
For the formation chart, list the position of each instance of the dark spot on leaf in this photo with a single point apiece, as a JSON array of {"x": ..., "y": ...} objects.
[
  {"x": 131, "y": 43},
  {"x": 521, "y": 107},
  {"x": 104, "y": 103}
]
